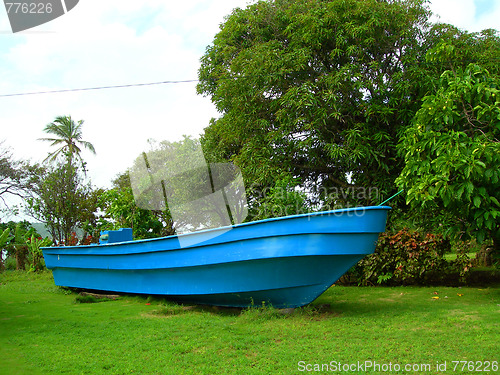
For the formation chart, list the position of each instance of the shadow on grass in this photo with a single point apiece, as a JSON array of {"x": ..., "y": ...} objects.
[
  {"x": 261, "y": 313},
  {"x": 345, "y": 302}
]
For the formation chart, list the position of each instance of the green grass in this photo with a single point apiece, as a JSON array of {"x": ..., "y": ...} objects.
[
  {"x": 453, "y": 256},
  {"x": 44, "y": 330}
]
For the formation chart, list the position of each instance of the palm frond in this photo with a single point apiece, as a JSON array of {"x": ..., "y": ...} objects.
[
  {"x": 53, "y": 140},
  {"x": 68, "y": 135},
  {"x": 89, "y": 146},
  {"x": 58, "y": 130},
  {"x": 52, "y": 157}
]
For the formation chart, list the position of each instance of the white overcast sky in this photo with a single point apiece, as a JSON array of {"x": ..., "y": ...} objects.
[{"x": 114, "y": 42}]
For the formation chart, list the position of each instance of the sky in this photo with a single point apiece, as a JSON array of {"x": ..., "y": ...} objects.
[{"x": 119, "y": 42}]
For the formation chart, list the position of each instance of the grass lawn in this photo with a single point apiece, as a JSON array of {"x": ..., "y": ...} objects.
[
  {"x": 44, "y": 331},
  {"x": 453, "y": 256}
]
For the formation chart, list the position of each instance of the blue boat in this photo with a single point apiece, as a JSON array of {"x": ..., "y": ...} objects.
[{"x": 285, "y": 262}]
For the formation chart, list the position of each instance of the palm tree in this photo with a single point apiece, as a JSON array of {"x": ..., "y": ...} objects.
[{"x": 69, "y": 137}]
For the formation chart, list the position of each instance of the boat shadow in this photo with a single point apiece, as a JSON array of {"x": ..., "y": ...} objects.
[
  {"x": 168, "y": 307},
  {"x": 324, "y": 308}
]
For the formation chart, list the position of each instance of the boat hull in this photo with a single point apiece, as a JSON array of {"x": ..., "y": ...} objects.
[{"x": 283, "y": 262}]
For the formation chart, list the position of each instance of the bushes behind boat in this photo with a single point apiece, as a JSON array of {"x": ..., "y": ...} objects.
[{"x": 409, "y": 257}]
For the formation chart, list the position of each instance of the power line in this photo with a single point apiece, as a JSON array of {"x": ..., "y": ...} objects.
[
  {"x": 463, "y": 61},
  {"x": 99, "y": 88}
]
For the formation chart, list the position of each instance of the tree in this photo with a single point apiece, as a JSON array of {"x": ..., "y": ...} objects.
[
  {"x": 171, "y": 189},
  {"x": 121, "y": 211},
  {"x": 68, "y": 135},
  {"x": 452, "y": 152},
  {"x": 16, "y": 177},
  {"x": 16, "y": 245},
  {"x": 4, "y": 239},
  {"x": 450, "y": 48},
  {"x": 173, "y": 180},
  {"x": 60, "y": 199},
  {"x": 90, "y": 216},
  {"x": 315, "y": 92}
]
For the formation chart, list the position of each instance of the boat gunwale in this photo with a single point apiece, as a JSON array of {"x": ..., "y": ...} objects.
[{"x": 224, "y": 228}]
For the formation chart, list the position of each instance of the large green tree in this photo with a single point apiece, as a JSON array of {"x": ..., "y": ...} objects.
[
  {"x": 316, "y": 92},
  {"x": 452, "y": 153}
]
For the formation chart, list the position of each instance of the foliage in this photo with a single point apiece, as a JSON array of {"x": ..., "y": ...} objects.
[
  {"x": 90, "y": 216},
  {"x": 24, "y": 245},
  {"x": 169, "y": 176},
  {"x": 69, "y": 137},
  {"x": 34, "y": 245},
  {"x": 452, "y": 154},
  {"x": 13, "y": 226},
  {"x": 175, "y": 177},
  {"x": 121, "y": 211},
  {"x": 62, "y": 200},
  {"x": 450, "y": 48},
  {"x": 4, "y": 237},
  {"x": 16, "y": 246},
  {"x": 409, "y": 257},
  {"x": 280, "y": 200},
  {"x": 10, "y": 263},
  {"x": 323, "y": 92},
  {"x": 15, "y": 175},
  {"x": 315, "y": 90}
]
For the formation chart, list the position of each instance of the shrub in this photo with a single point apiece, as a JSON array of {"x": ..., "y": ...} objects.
[
  {"x": 36, "y": 256},
  {"x": 10, "y": 263},
  {"x": 410, "y": 257}
]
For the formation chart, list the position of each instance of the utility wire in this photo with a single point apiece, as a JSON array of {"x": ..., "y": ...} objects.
[
  {"x": 218, "y": 79},
  {"x": 99, "y": 88}
]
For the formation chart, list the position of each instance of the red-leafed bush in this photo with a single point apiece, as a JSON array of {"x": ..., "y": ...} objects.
[{"x": 409, "y": 257}]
